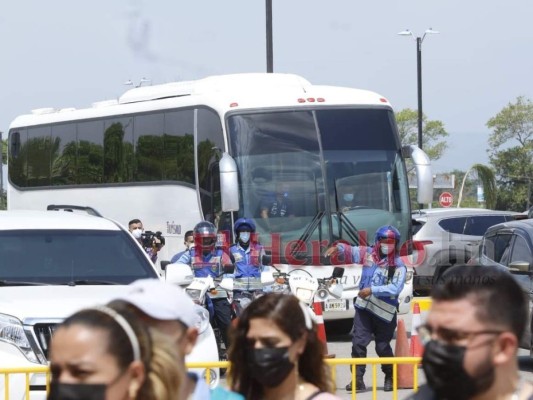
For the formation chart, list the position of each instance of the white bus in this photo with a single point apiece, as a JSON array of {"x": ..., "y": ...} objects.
[{"x": 217, "y": 149}]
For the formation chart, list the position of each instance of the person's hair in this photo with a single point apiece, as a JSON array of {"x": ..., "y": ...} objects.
[
  {"x": 163, "y": 374},
  {"x": 188, "y": 233},
  {"x": 498, "y": 297},
  {"x": 285, "y": 311},
  {"x": 134, "y": 221}
]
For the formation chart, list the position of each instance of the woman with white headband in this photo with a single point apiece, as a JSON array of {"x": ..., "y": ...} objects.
[{"x": 98, "y": 353}]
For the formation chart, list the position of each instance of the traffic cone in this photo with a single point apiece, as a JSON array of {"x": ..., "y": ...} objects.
[
  {"x": 416, "y": 348},
  {"x": 321, "y": 329},
  {"x": 405, "y": 371}
]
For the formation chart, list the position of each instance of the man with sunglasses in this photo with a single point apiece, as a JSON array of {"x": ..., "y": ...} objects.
[{"x": 472, "y": 335}]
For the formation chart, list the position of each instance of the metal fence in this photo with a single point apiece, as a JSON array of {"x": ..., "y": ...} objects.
[{"x": 331, "y": 362}]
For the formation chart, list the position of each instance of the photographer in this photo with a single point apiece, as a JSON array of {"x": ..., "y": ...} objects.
[{"x": 150, "y": 241}]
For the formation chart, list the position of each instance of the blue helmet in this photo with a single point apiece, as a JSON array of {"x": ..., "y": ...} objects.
[
  {"x": 387, "y": 232},
  {"x": 243, "y": 222}
]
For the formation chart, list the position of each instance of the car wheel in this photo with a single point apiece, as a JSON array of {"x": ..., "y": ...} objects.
[{"x": 440, "y": 271}]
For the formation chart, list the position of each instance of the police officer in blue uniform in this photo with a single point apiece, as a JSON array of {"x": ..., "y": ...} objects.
[
  {"x": 246, "y": 252},
  {"x": 206, "y": 260},
  {"x": 246, "y": 255},
  {"x": 376, "y": 304}
]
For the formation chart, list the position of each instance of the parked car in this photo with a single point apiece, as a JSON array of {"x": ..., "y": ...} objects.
[
  {"x": 443, "y": 237},
  {"x": 53, "y": 263},
  {"x": 510, "y": 246}
]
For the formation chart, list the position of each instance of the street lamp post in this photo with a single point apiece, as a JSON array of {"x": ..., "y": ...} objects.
[
  {"x": 419, "y": 41},
  {"x": 269, "y": 45}
]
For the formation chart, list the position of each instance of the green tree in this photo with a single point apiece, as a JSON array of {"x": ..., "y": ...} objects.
[
  {"x": 433, "y": 132},
  {"x": 486, "y": 176},
  {"x": 511, "y": 153},
  {"x": 4, "y": 151}
]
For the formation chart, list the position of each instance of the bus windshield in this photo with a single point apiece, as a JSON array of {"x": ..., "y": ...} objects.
[{"x": 319, "y": 175}]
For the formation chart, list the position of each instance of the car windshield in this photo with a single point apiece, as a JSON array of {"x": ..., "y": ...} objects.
[{"x": 71, "y": 257}]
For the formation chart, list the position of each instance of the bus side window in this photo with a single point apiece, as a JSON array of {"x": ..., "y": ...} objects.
[{"x": 14, "y": 151}]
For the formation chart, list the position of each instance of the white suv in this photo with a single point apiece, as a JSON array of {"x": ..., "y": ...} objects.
[
  {"x": 53, "y": 264},
  {"x": 446, "y": 236}
]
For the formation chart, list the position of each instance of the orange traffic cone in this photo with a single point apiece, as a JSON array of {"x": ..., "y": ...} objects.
[
  {"x": 405, "y": 371},
  {"x": 416, "y": 349},
  {"x": 321, "y": 329}
]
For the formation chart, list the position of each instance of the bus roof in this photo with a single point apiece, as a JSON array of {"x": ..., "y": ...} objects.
[{"x": 222, "y": 92}]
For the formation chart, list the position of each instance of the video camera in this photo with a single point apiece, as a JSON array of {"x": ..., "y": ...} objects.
[{"x": 148, "y": 239}]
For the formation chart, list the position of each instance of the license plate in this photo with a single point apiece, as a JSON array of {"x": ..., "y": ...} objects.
[{"x": 335, "y": 305}]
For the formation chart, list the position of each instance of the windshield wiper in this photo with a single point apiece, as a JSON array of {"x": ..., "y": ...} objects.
[
  {"x": 5, "y": 282},
  {"x": 76, "y": 282},
  {"x": 308, "y": 232},
  {"x": 347, "y": 225}
]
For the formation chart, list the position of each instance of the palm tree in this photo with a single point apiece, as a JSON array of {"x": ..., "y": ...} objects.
[{"x": 488, "y": 180}]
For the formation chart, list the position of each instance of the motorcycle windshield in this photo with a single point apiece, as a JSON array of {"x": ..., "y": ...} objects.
[{"x": 296, "y": 169}]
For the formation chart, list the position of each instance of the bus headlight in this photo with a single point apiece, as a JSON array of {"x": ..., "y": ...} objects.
[{"x": 12, "y": 332}]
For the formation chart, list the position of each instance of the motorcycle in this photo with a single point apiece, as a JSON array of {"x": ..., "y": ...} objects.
[
  {"x": 207, "y": 345},
  {"x": 201, "y": 288},
  {"x": 245, "y": 290},
  {"x": 306, "y": 287}
]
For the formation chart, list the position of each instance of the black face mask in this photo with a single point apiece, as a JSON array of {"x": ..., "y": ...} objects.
[
  {"x": 76, "y": 391},
  {"x": 270, "y": 366},
  {"x": 444, "y": 368}
]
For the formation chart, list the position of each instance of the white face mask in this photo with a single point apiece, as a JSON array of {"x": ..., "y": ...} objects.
[
  {"x": 386, "y": 248},
  {"x": 244, "y": 237},
  {"x": 137, "y": 233}
]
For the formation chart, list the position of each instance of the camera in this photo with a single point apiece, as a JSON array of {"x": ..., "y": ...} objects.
[{"x": 148, "y": 239}]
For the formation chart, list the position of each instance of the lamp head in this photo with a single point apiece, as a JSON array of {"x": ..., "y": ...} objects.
[{"x": 406, "y": 32}]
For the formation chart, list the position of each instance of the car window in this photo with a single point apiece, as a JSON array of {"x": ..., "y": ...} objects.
[
  {"x": 494, "y": 247},
  {"x": 453, "y": 225},
  {"x": 62, "y": 256},
  {"x": 478, "y": 225},
  {"x": 521, "y": 251},
  {"x": 417, "y": 225}
]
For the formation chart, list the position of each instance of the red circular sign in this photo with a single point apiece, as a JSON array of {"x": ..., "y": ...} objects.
[{"x": 445, "y": 199}]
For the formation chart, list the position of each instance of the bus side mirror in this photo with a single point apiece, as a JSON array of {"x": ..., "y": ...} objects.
[
  {"x": 229, "y": 183},
  {"x": 424, "y": 176}
]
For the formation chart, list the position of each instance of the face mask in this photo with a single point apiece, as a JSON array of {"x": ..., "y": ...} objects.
[
  {"x": 137, "y": 233},
  {"x": 270, "y": 366},
  {"x": 443, "y": 366},
  {"x": 78, "y": 391},
  {"x": 244, "y": 237},
  {"x": 386, "y": 248},
  {"x": 348, "y": 197}
]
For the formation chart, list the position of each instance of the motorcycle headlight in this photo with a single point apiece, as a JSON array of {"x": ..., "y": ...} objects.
[
  {"x": 304, "y": 295},
  {"x": 12, "y": 332},
  {"x": 202, "y": 322},
  {"x": 194, "y": 294}
]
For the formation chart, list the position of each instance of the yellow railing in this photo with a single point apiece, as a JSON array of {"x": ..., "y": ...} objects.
[{"x": 332, "y": 362}]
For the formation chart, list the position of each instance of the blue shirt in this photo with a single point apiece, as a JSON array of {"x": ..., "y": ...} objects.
[
  {"x": 247, "y": 261},
  {"x": 202, "y": 391},
  {"x": 376, "y": 277},
  {"x": 205, "y": 264}
]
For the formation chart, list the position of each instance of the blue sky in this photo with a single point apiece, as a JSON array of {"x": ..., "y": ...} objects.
[{"x": 63, "y": 53}]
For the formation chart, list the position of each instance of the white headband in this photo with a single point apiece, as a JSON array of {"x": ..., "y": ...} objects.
[
  {"x": 307, "y": 316},
  {"x": 126, "y": 327}
]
